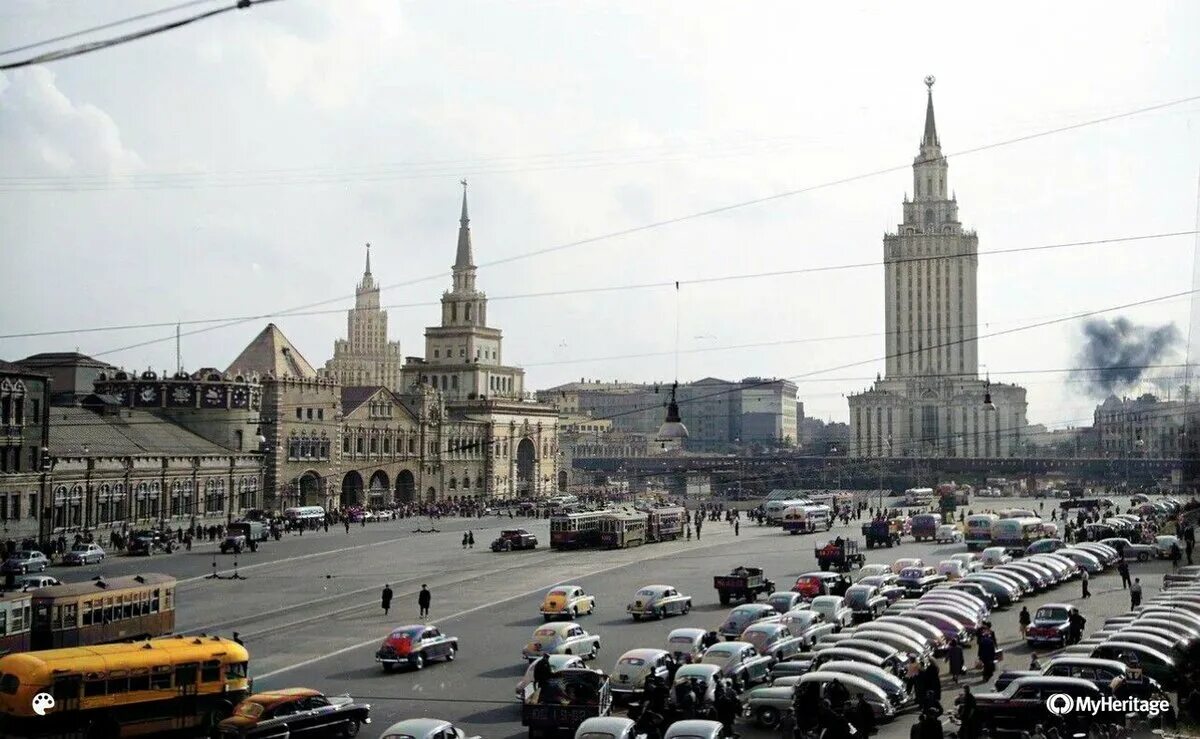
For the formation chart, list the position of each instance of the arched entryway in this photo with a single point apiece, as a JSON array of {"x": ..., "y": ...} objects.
[
  {"x": 431, "y": 495},
  {"x": 406, "y": 487},
  {"x": 378, "y": 489},
  {"x": 562, "y": 481},
  {"x": 352, "y": 488},
  {"x": 310, "y": 489},
  {"x": 526, "y": 476}
]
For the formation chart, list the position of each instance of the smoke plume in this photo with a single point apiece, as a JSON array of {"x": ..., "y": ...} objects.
[{"x": 1116, "y": 353}]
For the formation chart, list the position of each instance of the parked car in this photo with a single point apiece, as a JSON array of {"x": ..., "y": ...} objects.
[
  {"x": 952, "y": 629},
  {"x": 808, "y": 625},
  {"x": 147, "y": 542},
  {"x": 414, "y": 645},
  {"x": 916, "y": 650},
  {"x": 971, "y": 560},
  {"x": 785, "y": 600},
  {"x": 812, "y": 584},
  {"x": 905, "y": 562},
  {"x": 895, "y": 687},
  {"x": 1106, "y": 554},
  {"x": 561, "y": 637},
  {"x": 557, "y": 662},
  {"x": 1045, "y": 546},
  {"x": 567, "y": 601},
  {"x": 774, "y": 639},
  {"x": 1100, "y": 671},
  {"x": 1163, "y": 544},
  {"x": 919, "y": 580},
  {"x": 658, "y": 601},
  {"x": 888, "y": 586},
  {"x": 835, "y": 610},
  {"x": 605, "y": 727},
  {"x": 686, "y": 645},
  {"x": 739, "y": 661},
  {"x": 695, "y": 729},
  {"x": 702, "y": 679},
  {"x": 741, "y": 617},
  {"x": 1129, "y": 550},
  {"x": 1051, "y": 625},
  {"x": 33, "y": 582},
  {"x": 855, "y": 686},
  {"x": 84, "y": 554},
  {"x": 1083, "y": 559},
  {"x": 1161, "y": 667},
  {"x": 1022, "y": 705},
  {"x": 872, "y": 570},
  {"x": 429, "y": 728},
  {"x": 977, "y": 591},
  {"x": 632, "y": 668},
  {"x": 936, "y": 637},
  {"x": 296, "y": 711},
  {"x": 951, "y": 569},
  {"x": 948, "y": 534},
  {"x": 995, "y": 556},
  {"x": 865, "y": 602},
  {"x": 25, "y": 561}
]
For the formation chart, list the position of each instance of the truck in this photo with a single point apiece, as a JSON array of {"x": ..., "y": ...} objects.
[
  {"x": 511, "y": 539},
  {"x": 839, "y": 555},
  {"x": 882, "y": 532},
  {"x": 565, "y": 701},
  {"x": 744, "y": 583}
]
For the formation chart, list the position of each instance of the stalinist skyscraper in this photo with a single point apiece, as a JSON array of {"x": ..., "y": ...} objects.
[
  {"x": 366, "y": 357},
  {"x": 931, "y": 401}
]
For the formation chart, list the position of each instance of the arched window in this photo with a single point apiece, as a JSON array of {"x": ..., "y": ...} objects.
[
  {"x": 453, "y": 483},
  {"x": 929, "y": 217}
]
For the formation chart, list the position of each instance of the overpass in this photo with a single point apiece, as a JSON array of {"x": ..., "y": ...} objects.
[{"x": 897, "y": 470}]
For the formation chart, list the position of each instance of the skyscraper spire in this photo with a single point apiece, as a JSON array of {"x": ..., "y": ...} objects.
[
  {"x": 930, "y": 138},
  {"x": 464, "y": 259},
  {"x": 367, "y": 271}
]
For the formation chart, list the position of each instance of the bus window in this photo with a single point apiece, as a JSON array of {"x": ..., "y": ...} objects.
[
  {"x": 66, "y": 689},
  {"x": 235, "y": 671},
  {"x": 118, "y": 685},
  {"x": 93, "y": 688},
  {"x": 127, "y": 605},
  {"x": 10, "y": 683},
  {"x": 108, "y": 611},
  {"x": 3, "y": 621},
  {"x": 56, "y": 621},
  {"x": 87, "y": 613},
  {"x": 140, "y": 680},
  {"x": 161, "y": 678},
  {"x": 211, "y": 671},
  {"x": 154, "y": 602},
  {"x": 185, "y": 674},
  {"x": 70, "y": 615}
]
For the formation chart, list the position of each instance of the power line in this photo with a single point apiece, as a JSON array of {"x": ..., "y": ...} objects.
[
  {"x": 703, "y": 213},
  {"x": 53, "y": 56},
  {"x": 113, "y": 24},
  {"x": 627, "y": 287}
]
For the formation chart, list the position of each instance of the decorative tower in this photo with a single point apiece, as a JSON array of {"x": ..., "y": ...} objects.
[{"x": 366, "y": 357}]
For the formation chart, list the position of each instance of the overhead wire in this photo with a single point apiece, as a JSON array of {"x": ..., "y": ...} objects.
[{"x": 104, "y": 26}]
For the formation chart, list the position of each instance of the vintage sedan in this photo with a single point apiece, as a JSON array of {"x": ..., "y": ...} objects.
[
  {"x": 632, "y": 668},
  {"x": 785, "y": 600},
  {"x": 905, "y": 562},
  {"x": 971, "y": 560},
  {"x": 835, "y": 610},
  {"x": 951, "y": 569},
  {"x": 1162, "y": 667},
  {"x": 1164, "y": 543},
  {"x": 872, "y": 570},
  {"x": 995, "y": 556},
  {"x": 976, "y": 591},
  {"x": 948, "y": 533},
  {"x": 866, "y": 602},
  {"x": 918, "y": 650},
  {"x": 774, "y": 639},
  {"x": 1083, "y": 559},
  {"x": 765, "y": 706},
  {"x": 423, "y": 728},
  {"x": 33, "y": 582},
  {"x": 557, "y": 662},
  {"x": 701, "y": 678},
  {"x": 295, "y": 711},
  {"x": 84, "y": 554},
  {"x": 1129, "y": 550},
  {"x": 1022, "y": 705},
  {"x": 686, "y": 645},
  {"x": 1100, "y": 671},
  {"x": 607, "y": 727},
  {"x": 895, "y": 687},
  {"x": 919, "y": 580},
  {"x": 567, "y": 601},
  {"x": 807, "y": 625},
  {"x": 1051, "y": 625},
  {"x": 25, "y": 561},
  {"x": 740, "y": 661},
  {"x": 414, "y": 645},
  {"x": 742, "y": 616},
  {"x": 561, "y": 638},
  {"x": 657, "y": 601},
  {"x": 695, "y": 729},
  {"x": 888, "y": 586}
]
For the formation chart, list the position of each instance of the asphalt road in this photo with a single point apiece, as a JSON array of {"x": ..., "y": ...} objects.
[{"x": 308, "y": 608}]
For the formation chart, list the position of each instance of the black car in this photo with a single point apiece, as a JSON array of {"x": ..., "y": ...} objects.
[
  {"x": 1051, "y": 625},
  {"x": 1101, "y": 672},
  {"x": 1022, "y": 705},
  {"x": 148, "y": 542},
  {"x": 297, "y": 712},
  {"x": 511, "y": 539}
]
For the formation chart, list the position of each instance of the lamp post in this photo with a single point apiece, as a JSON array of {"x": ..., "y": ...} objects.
[{"x": 46, "y": 510}]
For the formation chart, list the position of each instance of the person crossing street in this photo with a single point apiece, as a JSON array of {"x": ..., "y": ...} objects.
[
  {"x": 423, "y": 600},
  {"x": 386, "y": 599}
]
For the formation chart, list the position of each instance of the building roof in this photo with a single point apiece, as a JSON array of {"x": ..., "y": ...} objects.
[
  {"x": 127, "y": 433},
  {"x": 270, "y": 353},
  {"x": 63, "y": 359},
  {"x": 16, "y": 369}
]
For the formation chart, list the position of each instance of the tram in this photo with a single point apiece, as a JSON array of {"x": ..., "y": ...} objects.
[
  {"x": 576, "y": 530},
  {"x": 102, "y": 610},
  {"x": 623, "y": 529},
  {"x": 666, "y": 523},
  {"x": 15, "y": 610}
]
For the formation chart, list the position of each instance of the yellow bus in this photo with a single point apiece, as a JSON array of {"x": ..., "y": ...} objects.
[{"x": 131, "y": 689}]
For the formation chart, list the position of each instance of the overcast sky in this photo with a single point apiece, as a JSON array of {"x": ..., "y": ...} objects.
[{"x": 237, "y": 166}]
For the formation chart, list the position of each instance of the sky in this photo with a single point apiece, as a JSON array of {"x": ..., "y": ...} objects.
[{"x": 237, "y": 167}]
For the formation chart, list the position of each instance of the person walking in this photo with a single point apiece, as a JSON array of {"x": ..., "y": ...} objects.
[
  {"x": 955, "y": 660},
  {"x": 1083, "y": 582},
  {"x": 1135, "y": 593},
  {"x": 1123, "y": 570},
  {"x": 1023, "y": 620},
  {"x": 471, "y": 539},
  {"x": 987, "y": 653},
  {"x": 1175, "y": 555},
  {"x": 423, "y": 600},
  {"x": 386, "y": 599},
  {"x": 737, "y": 528},
  {"x": 464, "y": 540},
  {"x": 347, "y": 522}
]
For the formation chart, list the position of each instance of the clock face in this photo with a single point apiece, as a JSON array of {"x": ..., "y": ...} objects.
[{"x": 239, "y": 398}]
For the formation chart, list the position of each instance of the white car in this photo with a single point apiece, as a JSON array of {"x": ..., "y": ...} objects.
[
  {"x": 951, "y": 569},
  {"x": 947, "y": 534},
  {"x": 834, "y": 609},
  {"x": 905, "y": 562},
  {"x": 873, "y": 570},
  {"x": 970, "y": 560},
  {"x": 995, "y": 556}
]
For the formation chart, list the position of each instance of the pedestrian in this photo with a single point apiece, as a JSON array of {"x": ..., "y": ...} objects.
[
  {"x": 238, "y": 640},
  {"x": 986, "y": 650},
  {"x": 1123, "y": 570},
  {"x": 1083, "y": 582},
  {"x": 386, "y": 599},
  {"x": 1034, "y": 663},
  {"x": 347, "y": 522},
  {"x": 737, "y": 528},
  {"x": 1135, "y": 593},
  {"x": 542, "y": 672},
  {"x": 1024, "y": 620},
  {"x": 464, "y": 540},
  {"x": 1175, "y": 556},
  {"x": 423, "y": 599},
  {"x": 471, "y": 539},
  {"x": 955, "y": 660}
]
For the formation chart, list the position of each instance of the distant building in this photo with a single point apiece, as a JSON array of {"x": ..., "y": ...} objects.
[
  {"x": 1145, "y": 426},
  {"x": 365, "y": 358},
  {"x": 71, "y": 373},
  {"x": 931, "y": 403}
]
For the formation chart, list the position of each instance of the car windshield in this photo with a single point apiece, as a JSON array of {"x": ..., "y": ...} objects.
[
  {"x": 744, "y": 612},
  {"x": 594, "y": 735},
  {"x": 406, "y": 633},
  {"x": 758, "y": 638},
  {"x": 632, "y": 661},
  {"x": 647, "y": 593},
  {"x": 803, "y": 618},
  {"x": 717, "y": 656},
  {"x": 912, "y": 573},
  {"x": 545, "y": 633},
  {"x": 79, "y": 548},
  {"x": 682, "y": 640},
  {"x": 249, "y": 709},
  {"x": 858, "y": 596},
  {"x": 557, "y": 594}
]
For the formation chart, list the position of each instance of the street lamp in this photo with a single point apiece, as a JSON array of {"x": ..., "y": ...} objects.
[{"x": 672, "y": 429}]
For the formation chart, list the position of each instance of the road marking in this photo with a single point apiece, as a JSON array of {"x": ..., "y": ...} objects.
[{"x": 485, "y": 606}]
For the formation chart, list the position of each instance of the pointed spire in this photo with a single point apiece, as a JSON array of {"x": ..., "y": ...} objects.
[
  {"x": 367, "y": 271},
  {"x": 464, "y": 259},
  {"x": 930, "y": 138}
]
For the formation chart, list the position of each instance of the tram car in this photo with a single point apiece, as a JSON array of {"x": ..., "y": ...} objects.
[
  {"x": 15, "y": 611},
  {"x": 576, "y": 530},
  {"x": 102, "y": 610},
  {"x": 623, "y": 529},
  {"x": 666, "y": 523}
]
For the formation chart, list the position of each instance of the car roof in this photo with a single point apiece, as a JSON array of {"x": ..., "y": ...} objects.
[
  {"x": 615, "y": 725},
  {"x": 687, "y": 631},
  {"x": 822, "y": 676},
  {"x": 693, "y": 727},
  {"x": 564, "y": 587},
  {"x": 418, "y": 727},
  {"x": 645, "y": 653},
  {"x": 766, "y": 626},
  {"x": 275, "y": 697},
  {"x": 1068, "y": 606},
  {"x": 655, "y": 587},
  {"x": 730, "y": 646},
  {"x": 697, "y": 667},
  {"x": 560, "y": 627}
]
